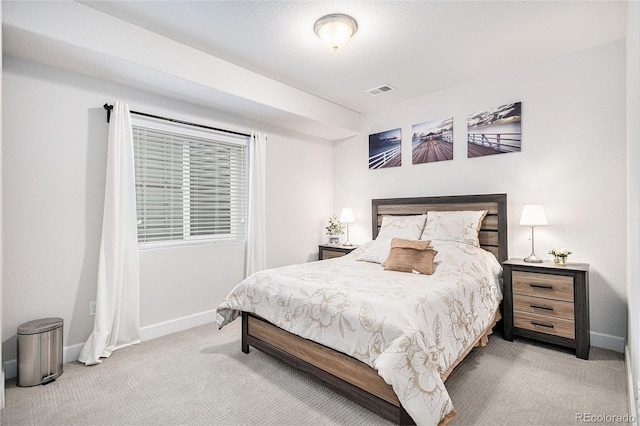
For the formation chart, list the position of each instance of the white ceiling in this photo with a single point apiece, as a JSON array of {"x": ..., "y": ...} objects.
[{"x": 417, "y": 47}]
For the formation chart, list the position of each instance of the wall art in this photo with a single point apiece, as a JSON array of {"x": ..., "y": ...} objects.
[
  {"x": 494, "y": 131},
  {"x": 432, "y": 141},
  {"x": 385, "y": 149}
]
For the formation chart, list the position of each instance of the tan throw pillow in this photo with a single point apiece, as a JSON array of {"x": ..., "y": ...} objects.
[
  {"x": 410, "y": 256},
  {"x": 411, "y": 244}
]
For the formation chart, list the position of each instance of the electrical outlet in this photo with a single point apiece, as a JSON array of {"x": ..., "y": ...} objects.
[{"x": 92, "y": 308}]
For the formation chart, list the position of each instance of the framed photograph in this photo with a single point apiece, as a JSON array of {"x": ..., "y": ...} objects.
[
  {"x": 432, "y": 141},
  {"x": 385, "y": 149},
  {"x": 494, "y": 131}
]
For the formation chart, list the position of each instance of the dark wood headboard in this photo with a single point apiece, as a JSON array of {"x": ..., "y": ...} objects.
[{"x": 493, "y": 232}]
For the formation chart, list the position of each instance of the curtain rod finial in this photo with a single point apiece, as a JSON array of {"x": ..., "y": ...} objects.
[{"x": 108, "y": 108}]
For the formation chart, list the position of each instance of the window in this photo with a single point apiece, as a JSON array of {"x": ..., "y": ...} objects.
[{"x": 191, "y": 184}]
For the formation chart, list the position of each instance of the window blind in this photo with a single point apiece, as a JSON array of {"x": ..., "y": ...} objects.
[{"x": 189, "y": 187}]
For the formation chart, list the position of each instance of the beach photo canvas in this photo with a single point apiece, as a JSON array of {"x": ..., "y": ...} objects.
[
  {"x": 385, "y": 149},
  {"x": 432, "y": 141},
  {"x": 495, "y": 131}
]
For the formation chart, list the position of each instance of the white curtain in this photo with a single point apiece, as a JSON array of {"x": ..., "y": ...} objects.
[
  {"x": 256, "y": 246},
  {"x": 117, "y": 320}
]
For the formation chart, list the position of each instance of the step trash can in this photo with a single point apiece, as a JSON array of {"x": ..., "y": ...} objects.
[{"x": 39, "y": 351}]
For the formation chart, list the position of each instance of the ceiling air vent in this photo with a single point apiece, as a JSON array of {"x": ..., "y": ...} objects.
[{"x": 380, "y": 90}]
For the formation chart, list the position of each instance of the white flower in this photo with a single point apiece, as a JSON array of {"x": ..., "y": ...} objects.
[{"x": 561, "y": 252}]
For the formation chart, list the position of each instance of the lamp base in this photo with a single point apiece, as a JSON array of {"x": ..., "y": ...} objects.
[
  {"x": 347, "y": 244},
  {"x": 533, "y": 259}
]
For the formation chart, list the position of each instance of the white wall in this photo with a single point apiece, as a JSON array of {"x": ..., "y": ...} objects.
[
  {"x": 633, "y": 195},
  {"x": 2, "y": 372},
  {"x": 572, "y": 161},
  {"x": 54, "y": 158},
  {"x": 299, "y": 199}
]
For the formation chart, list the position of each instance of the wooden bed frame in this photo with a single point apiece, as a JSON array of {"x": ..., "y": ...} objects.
[{"x": 342, "y": 373}]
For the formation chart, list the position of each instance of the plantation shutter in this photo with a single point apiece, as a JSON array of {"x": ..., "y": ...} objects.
[{"x": 189, "y": 187}]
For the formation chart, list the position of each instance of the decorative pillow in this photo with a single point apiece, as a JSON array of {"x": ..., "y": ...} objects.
[
  {"x": 458, "y": 226},
  {"x": 410, "y": 256},
  {"x": 404, "y": 227}
]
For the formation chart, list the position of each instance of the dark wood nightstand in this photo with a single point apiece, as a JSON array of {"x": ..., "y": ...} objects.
[
  {"x": 328, "y": 251},
  {"x": 547, "y": 302}
]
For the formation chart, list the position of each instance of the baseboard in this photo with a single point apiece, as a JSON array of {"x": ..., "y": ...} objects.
[
  {"x": 2, "y": 388},
  {"x": 179, "y": 324},
  {"x": 71, "y": 353},
  {"x": 631, "y": 389},
  {"x": 607, "y": 341}
]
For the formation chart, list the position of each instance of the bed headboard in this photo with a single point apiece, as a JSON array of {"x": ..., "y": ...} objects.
[{"x": 493, "y": 232}]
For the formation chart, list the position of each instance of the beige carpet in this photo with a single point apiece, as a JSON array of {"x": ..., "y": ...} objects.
[{"x": 200, "y": 377}]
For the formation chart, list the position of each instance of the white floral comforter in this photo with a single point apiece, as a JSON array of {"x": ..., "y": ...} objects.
[{"x": 410, "y": 328}]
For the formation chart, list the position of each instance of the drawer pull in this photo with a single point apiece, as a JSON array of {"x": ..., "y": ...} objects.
[
  {"x": 545, "y": 286},
  {"x": 542, "y": 324},
  {"x": 545, "y": 307}
]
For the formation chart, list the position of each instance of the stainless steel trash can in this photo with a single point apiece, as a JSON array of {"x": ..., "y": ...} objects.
[{"x": 39, "y": 351}]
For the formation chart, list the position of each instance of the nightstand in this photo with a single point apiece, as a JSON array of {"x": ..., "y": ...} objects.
[
  {"x": 547, "y": 302},
  {"x": 328, "y": 251}
]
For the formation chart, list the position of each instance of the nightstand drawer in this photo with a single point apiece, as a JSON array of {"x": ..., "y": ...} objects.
[
  {"x": 330, "y": 251},
  {"x": 546, "y": 307},
  {"x": 544, "y": 324},
  {"x": 559, "y": 287},
  {"x": 329, "y": 254}
]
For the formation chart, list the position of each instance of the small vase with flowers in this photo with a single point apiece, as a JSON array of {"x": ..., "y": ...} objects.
[{"x": 560, "y": 255}]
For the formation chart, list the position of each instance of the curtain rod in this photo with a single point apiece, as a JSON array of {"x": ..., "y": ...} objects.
[{"x": 108, "y": 108}]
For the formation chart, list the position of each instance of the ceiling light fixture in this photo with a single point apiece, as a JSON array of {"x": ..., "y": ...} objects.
[{"x": 335, "y": 30}]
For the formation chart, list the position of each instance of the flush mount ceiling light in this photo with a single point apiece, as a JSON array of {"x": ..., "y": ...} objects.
[{"x": 335, "y": 30}]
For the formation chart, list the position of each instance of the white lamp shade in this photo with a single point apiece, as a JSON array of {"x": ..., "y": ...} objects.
[
  {"x": 335, "y": 30},
  {"x": 346, "y": 215},
  {"x": 533, "y": 215}
]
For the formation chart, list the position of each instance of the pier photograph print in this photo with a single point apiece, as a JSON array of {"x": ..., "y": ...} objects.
[
  {"x": 494, "y": 131},
  {"x": 385, "y": 149},
  {"x": 432, "y": 141}
]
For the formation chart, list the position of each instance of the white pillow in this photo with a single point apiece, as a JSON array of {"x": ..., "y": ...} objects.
[
  {"x": 404, "y": 227},
  {"x": 458, "y": 226}
]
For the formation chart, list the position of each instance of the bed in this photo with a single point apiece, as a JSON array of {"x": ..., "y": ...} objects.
[{"x": 367, "y": 348}]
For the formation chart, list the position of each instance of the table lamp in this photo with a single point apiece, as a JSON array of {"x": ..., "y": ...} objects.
[
  {"x": 533, "y": 215},
  {"x": 346, "y": 216}
]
